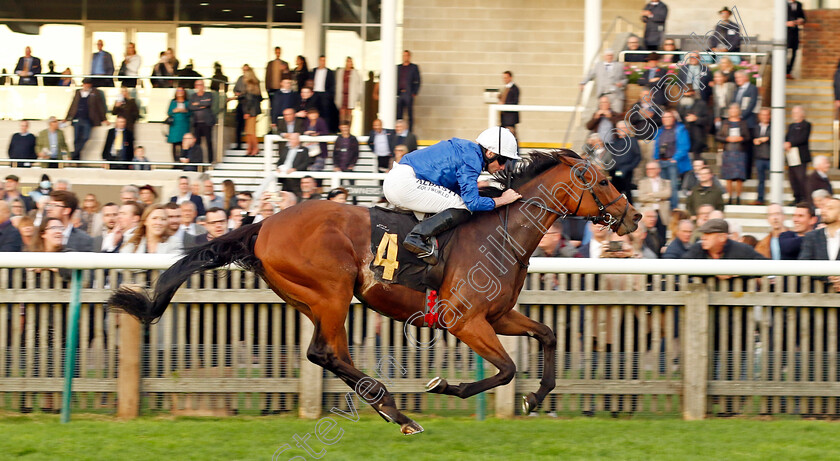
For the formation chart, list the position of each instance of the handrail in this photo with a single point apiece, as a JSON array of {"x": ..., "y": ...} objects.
[
  {"x": 103, "y": 163},
  {"x": 699, "y": 267},
  {"x": 752, "y": 55},
  {"x": 105, "y": 76}
]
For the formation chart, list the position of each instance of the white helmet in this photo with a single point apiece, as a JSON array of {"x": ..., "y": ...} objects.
[{"x": 490, "y": 138}]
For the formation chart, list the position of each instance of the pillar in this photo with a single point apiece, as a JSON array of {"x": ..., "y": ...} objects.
[
  {"x": 777, "y": 116},
  {"x": 388, "y": 72}
]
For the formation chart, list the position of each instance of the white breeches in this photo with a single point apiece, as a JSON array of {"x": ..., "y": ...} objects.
[{"x": 403, "y": 189}]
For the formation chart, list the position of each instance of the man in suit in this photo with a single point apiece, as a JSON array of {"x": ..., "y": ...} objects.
[
  {"x": 651, "y": 78},
  {"x": 27, "y": 67},
  {"x": 190, "y": 152},
  {"x": 655, "y": 192},
  {"x": 795, "y": 19},
  {"x": 824, "y": 244},
  {"x": 51, "y": 143},
  {"x": 188, "y": 225},
  {"x": 633, "y": 45},
  {"x": 111, "y": 238},
  {"x": 727, "y": 36},
  {"x": 323, "y": 85},
  {"x": 408, "y": 85},
  {"x": 86, "y": 111},
  {"x": 289, "y": 124},
  {"x": 61, "y": 206},
  {"x": 508, "y": 95},
  {"x": 10, "y": 239},
  {"x": 292, "y": 157},
  {"x": 818, "y": 179},
  {"x": 404, "y": 136},
  {"x": 654, "y": 15},
  {"x": 697, "y": 120},
  {"x": 797, "y": 137},
  {"x": 761, "y": 151},
  {"x": 284, "y": 98},
  {"x": 216, "y": 226},
  {"x": 185, "y": 195},
  {"x": 626, "y": 154},
  {"x": 381, "y": 142},
  {"x": 119, "y": 145},
  {"x": 276, "y": 71},
  {"x": 202, "y": 106},
  {"x": 102, "y": 63},
  {"x": 609, "y": 80},
  {"x": 746, "y": 96}
]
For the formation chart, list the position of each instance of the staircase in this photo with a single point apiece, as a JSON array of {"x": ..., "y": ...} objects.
[{"x": 817, "y": 98}]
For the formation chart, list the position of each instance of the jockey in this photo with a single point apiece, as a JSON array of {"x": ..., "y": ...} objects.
[{"x": 443, "y": 179}]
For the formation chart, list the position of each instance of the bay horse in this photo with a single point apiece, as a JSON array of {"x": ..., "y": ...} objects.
[{"x": 317, "y": 256}]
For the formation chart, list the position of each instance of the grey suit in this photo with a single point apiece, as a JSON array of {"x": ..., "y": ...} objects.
[
  {"x": 610, "y": 81},
  {"x": 815, "y": 247},
  {"x": 79, "y": 241}
]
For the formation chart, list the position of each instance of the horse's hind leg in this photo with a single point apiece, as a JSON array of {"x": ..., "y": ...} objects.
[
  {"x": 480, "y": 337},
  {"x": 329, "y": 349},
  {"x": 515, "y": 324}
]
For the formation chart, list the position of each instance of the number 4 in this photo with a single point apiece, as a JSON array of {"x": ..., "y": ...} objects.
[{"x": 389, "y": 263}]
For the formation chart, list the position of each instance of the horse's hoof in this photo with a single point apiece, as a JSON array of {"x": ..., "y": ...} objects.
[
  {"x": 436, "y": 385},
  {"x": 411, "y": 428},
  {"x": 529, "y": 403}
]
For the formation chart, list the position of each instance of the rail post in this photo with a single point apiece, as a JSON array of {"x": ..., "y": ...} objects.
[
  {"x": 71, "y": 344},
  {"x": 696, "y": 353}
]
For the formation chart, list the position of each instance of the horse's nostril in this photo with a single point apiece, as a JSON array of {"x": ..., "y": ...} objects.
[{"x": 637, "y": 217}]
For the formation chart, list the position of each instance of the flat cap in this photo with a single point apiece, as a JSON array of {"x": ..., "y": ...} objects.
[{"x": 714, "y": 226}]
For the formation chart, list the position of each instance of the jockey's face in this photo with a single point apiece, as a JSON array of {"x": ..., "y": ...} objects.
[{"x": 493, "y": 166}]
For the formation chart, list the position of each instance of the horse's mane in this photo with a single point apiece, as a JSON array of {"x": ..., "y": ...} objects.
[{"x": 527, "y": 169}]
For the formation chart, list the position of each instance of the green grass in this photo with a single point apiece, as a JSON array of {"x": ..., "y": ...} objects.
[{"x": 90, "y": 437}]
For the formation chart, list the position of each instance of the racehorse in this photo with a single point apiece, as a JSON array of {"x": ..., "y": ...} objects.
[{"x": 317, "y": 256}]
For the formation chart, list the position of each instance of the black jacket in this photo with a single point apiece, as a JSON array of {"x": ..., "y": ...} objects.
[
  {"x": 797, "y": 136},
  {"x": 413, "y": 78},
  {"x": 814, "y": 246},
  {"x": 124, "y": 153},
  {"x": 10, "y": 238},
  {"x": 731, "y": 250}
]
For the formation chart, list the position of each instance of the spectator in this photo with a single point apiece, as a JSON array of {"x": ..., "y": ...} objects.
[
  {"x": 220, "y": 80},
  {"x": 746, "y": 96},
  {"x": 216, "y": 226},
  {"x": 795, "y": 19},
  {"x": 184, "y": 195},
  {"x": 90, "y": 217},
  {"x": 308, "y": 190},
  {"x": 129, "y": 194},
  {"x": 307, "y": 103},
  {"x": 761, "y": 151},
  {"x": 818, "y": 179},
  {"x": 275, "y": 72},
  {"x": 653, "y": 237},
  {"x": 323, "y": 80},
  {"x": 229, "y": 194},
  {"x": 244, "y": 200},
  {"x": 400, "y": 150},
  {"x": 626, "y": 156},
  {"x": 11, "y": 191},
  {"x": 43, "y": 188},
  {"x": 62, "y": 184},
  {"x": 109, "y": 237},
  {"x": 681, "y": 241},
  {"x": 266, "y": 210},
  {"x": 610, "y": 80},
  {"x": 235, "y": 218},
  {"x": 250, "y": 110},
  {"x": 292, "y": 157},
  {"x": 17, "y": 208},
  {"x": 163, "y": 68},
  {"x": 654, "y": 192},
  {"x": 597, "y": 244},
  {"x": 381, "y": 142},
  {"x": 804, "y": 220},
  {"x": 824, "y": 244},
  {"x": 10, "y": 239},
  {"x": 692, "y": 178},
  {"x": 102, "y": 63},
  {"x": 316, "y": 126},
  {"x": 188, "y": 71},
  {"x": 142, "y": 162},
  {"x": 706, "y": 192},
  {"x": 727, "y": 35},
  {"x": 300, "y": 74},
  {"x": 345, "y": 149},
  {"x": 188, "y": 220},
  {"x": 119, "y": 145},
  {"x": 594, "y": 151},
  {"x": 338, "y": 195},
  {"x": 633, "y": 45},
  {"x": 126, "y": 107},
  {"x": 715, "y": 244},
  {"x": 348, "y": 89},
  {"x": 508, "y": 95},
  {"x": 798, "y": 153},
  {"x": 211, "y": 200},
  {"x": 26, "y": 227},
  {"x": 408, "y": 85},
  {"x": 179, "y": 116},
  {"x": 696, "y": 76},
  {"x": 771, "y": 245},
  {"x": 61, "y": 206},
  {"x": 645, "y": 119},
  {"x": 695, "y": 114},
  {"x": 603, "y": 121},
  {"x": 152, "y": 235},
  {"x": 284, "y": 99},
  {"x": 27, "y": 67},
  {"x": 172, "y": 59},
  {"x": 190, "y": 152},
  {"x": 669, "y": 58},
  {"x": 723, "y": 94},
  {"x": 553, "y": 244},
  {"x": 51, "y": 143},
  {"x": 174, "y": 217},
  {"x": 290, "y": 123},
  {"x": 671, "y": 149},
  {"x": 66, "y": 81},
  {"x": 51, "y": 81},
  {"x": 86, "y": 111},
  {"x": 239, "y": 94},
  {"x": 651, "y": 77},
  {"x": 403, "y": 136},
  {"x": 201, "y": 106},
  {"x": 148, "y": 195},
  {"x": 727, "y": 68},
  {"x": 22, "y": 146},
  {"x": 130, "y": 68},
  {"x": 654, "y": 15},
  {"x": 49, "y": 237},
  {"x": 735, "y": 135}
]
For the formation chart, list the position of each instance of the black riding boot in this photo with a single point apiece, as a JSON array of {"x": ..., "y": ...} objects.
[{"x": 420, "y": 240}]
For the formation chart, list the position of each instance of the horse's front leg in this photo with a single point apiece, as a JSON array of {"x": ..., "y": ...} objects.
[
  {"x": 516, "y": 324},
  {"x": 480, "y": 337}
]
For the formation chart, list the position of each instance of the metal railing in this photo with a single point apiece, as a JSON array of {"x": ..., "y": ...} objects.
[
  {"x": 14, "y": 162},
  {"x": 754, "y": 57}
]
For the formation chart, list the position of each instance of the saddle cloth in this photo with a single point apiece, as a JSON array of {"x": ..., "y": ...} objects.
[{"x": 394, "y": 264}]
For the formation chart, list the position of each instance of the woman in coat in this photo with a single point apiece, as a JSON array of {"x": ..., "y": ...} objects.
[
  {"x": 348, "y": 85},
  {"x": 180, "y": 122},
  {"x": 735, "y": 135}
]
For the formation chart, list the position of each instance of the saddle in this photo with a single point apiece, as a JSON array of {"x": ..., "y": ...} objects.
[{"x": 393, "y": 264}]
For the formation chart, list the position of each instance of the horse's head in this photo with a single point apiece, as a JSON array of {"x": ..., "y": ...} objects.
[{"x": 571, "y": 185}]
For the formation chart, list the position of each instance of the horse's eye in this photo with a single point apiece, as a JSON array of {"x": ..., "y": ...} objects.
[{"x": 603, "y": 182}]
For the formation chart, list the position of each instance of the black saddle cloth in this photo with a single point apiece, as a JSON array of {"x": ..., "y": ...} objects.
[{"x": 394, "y": 264}]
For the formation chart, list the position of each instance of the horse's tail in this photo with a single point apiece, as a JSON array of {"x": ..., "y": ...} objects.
[{"x": 236, "y": 247}]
